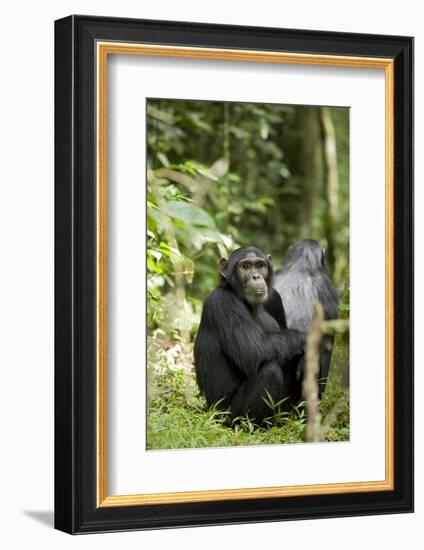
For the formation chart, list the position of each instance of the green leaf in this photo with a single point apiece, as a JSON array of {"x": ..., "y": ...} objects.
[
  {"x": 155, "y": 254},
  {"x": 189, "y": 213},
  {"x": 163, "y": 159},
  {"x": 263, "y": 129}
]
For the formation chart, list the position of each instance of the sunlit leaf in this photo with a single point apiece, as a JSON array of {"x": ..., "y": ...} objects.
[
  {"x": 163, "y": 159},
  {"x": 189, "y": 213}
]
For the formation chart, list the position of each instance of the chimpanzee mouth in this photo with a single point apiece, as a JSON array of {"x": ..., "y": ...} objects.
[{"x": 256, "y": 296}]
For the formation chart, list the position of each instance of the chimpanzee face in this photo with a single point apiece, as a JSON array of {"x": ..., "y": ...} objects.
[{"x": 252, "y": 273}]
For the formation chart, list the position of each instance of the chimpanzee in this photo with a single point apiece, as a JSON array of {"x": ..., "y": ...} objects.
[
  {"x": 301, "y": 282},
  {"x": 243, "y": 346}
]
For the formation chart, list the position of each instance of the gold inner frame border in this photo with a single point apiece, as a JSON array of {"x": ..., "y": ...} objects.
[{"x": 103, "y": 50}]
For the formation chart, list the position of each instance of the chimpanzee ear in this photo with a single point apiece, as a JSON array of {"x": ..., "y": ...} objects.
[
  {"x": 269, "y": 258},
  {"x": 223, "y": 264}
]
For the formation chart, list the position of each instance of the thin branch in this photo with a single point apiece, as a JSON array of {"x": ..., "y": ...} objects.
[
  {"x": 318, "y": 328},
  {"x": 310, "y": 382}
]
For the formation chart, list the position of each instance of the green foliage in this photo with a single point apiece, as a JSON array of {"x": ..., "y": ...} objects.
[
  {"x": 334, "y": 409},
  {"x": 232, "y": 174},
  {"x": 188, "y": 213},
  {"x": 178, "y": 418},
  {"x": 222, "y": 175}
]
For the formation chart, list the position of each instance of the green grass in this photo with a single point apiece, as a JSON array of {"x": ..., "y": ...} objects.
[{"x": 178, "y": 417}]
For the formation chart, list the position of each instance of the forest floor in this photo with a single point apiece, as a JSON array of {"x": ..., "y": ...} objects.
[{"x": 178, "y": 417}]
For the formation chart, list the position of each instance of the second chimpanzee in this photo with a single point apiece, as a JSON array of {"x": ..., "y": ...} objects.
[
  {"x": 243, "y": 346},
  {"x": 301, "y": 282}
]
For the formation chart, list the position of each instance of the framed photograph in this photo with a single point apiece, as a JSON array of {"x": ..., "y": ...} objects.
[{"x": 234, "y": 274}]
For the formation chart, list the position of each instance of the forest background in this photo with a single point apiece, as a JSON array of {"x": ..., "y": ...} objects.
[{"x": 222, "y": 175}]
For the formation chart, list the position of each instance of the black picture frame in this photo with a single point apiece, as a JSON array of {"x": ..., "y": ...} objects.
[{"x": 76, "y": 509}]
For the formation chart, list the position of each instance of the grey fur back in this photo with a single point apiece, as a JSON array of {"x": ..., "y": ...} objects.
[{"x": 302, "y": 281}]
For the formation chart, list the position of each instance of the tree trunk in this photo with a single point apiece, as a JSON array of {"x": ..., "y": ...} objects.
[
  {"x": 339, "y": 369},
  {"x": 304, "y": 151},
  {"x": 331, "y": 183}
]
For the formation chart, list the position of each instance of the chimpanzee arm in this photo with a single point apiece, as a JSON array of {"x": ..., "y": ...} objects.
[
  {"x": 274, "y": 306},
  {"x": 289, "y": 342},
  {"x": 241, "y": 339},
  {"x": 287, "y": 345}
]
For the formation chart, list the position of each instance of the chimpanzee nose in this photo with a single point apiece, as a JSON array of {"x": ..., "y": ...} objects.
[{"x": 256, "y": 276}]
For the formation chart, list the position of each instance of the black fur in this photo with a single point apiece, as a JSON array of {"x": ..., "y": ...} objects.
[
  {"x": 242, "y": 352},
  {"x": 302, "y": 281}
]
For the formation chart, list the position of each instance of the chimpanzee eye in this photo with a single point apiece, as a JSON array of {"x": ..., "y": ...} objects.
[{"x": 260, "y": 265}]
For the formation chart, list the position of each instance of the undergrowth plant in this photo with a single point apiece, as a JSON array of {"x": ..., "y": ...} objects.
[{"x": 178, "y": 417}]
